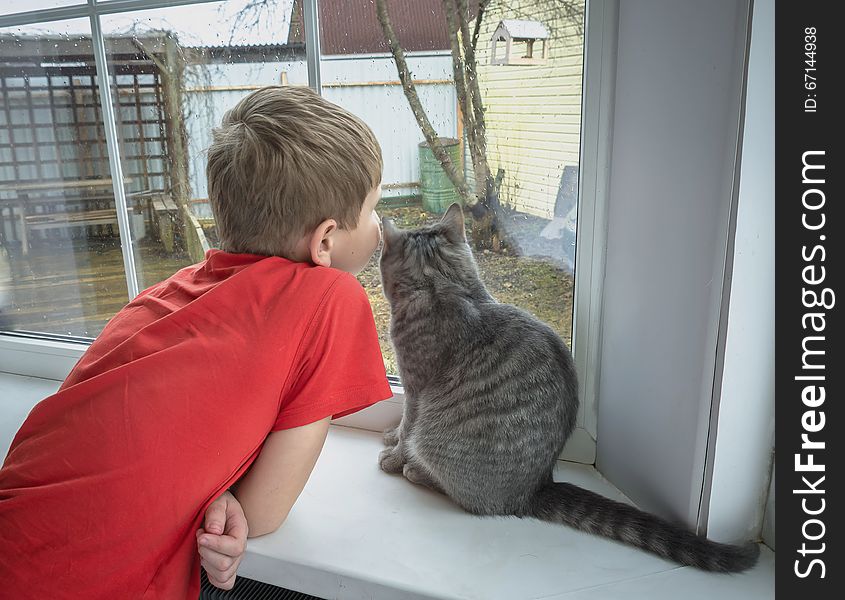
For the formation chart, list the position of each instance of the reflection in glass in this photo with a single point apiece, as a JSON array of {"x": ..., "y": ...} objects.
[{"x": 61, "y": 268}]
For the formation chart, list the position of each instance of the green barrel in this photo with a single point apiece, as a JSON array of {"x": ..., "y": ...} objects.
[{"x": 438, "y": 193}]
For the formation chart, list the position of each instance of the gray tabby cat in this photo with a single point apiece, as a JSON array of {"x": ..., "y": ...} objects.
[{"x": 491, "y": 398}]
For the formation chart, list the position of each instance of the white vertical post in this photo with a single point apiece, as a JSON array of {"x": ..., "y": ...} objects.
[
  {"x": 312, "y": 44},
  {"x": 114, "y": 154},
  {"x": 591, "y": 235},
  {"x": 742, "y": 427}
]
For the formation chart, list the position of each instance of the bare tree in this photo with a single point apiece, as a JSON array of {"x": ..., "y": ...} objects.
[{"x": 483, "y": 200}]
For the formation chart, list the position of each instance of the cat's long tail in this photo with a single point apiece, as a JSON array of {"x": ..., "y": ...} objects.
[{"x": 585, "y": 510}]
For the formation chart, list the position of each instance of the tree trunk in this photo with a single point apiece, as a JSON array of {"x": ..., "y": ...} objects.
[
  {"x": 488, "y": 217},
  {"x": 410, "y": 90},
  {"x": 487, "y": 230}
]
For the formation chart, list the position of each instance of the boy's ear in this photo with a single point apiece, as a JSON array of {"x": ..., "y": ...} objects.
[
  {"x": 321, "y": 243},
  {"x": 453, "y": 221},
  {"x": 389, "y": 232}
]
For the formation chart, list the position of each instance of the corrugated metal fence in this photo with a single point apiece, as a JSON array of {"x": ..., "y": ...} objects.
[{"x": 366, "y": 85}]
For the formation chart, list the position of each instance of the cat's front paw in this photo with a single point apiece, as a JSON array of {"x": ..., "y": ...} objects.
[
  {"x": 391, "y": 460},
  {"x": 391, "y": 436}
]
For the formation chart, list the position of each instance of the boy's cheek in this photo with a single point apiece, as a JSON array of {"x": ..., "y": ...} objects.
[
  {"x": 376, "y": 237},
  {"x": 377, "y": 222}
]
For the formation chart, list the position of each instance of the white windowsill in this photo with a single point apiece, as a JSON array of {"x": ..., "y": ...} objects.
[
  {"x": 51, "y": 359},
  {"x": 359, "y": 533}
]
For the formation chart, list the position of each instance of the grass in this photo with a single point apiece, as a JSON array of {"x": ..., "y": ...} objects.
[{"x": 73, "y": 288}]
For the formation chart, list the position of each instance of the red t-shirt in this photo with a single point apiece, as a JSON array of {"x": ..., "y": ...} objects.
[{"x": 108, "y": 480}]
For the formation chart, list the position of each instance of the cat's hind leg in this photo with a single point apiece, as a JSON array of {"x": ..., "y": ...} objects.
[{"x": 417, "y": 475}]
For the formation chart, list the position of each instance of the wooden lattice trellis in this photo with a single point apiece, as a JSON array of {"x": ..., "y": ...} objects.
[
  {"x": 51, "y": 129},
  {"x": 51, "y": 126}
]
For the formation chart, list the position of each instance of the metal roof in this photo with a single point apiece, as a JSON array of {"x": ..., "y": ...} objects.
[{"x": 352, "y": 27}]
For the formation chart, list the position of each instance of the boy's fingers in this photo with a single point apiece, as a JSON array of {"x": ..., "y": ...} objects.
[
  {"x": 223, "y": 544},
  {"x": 236, "y": 524},
  {"x": 218, "y": 580},
  {"x": 215, "y": 517},
  {"x": 219, "y": 562},
  {"x": 237, "y": 528},
  {"x": 228, "y": 585}
]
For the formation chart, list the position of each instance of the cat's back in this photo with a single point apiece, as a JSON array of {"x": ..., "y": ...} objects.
[
  {"x": 460, "y": 337},
  {"x": 478, "y": 322},
  {"x": 514, "y": 325},
  {"x": 507, "y": 340}
]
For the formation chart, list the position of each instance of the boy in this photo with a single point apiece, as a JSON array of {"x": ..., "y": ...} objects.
[{"x": 223, "y": 376}]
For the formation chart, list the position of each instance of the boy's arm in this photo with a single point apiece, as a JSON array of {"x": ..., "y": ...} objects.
[{"x": 274, "y": 481}]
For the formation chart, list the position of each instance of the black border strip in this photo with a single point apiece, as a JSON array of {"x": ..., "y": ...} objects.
[{"x": 809, "y": 329}]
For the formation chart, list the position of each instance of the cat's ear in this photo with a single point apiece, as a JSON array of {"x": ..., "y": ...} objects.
[
  {"x": 389, "y": 231},
  {"x": 453, "y": 221}
]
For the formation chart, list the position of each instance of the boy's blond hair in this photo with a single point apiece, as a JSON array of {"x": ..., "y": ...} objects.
[{"x": 283, "y": 161}]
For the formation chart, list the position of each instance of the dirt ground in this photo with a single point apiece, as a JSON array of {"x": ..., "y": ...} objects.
[
  {"x": 82, "y": 286},
  {"x": 534, "y": 283}
]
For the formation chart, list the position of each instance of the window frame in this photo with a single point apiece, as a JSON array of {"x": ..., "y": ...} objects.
[{"x": 52, "y": 357}]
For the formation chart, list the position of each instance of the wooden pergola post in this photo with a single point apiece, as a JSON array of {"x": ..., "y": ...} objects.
[{"x": 173, "y": 77}]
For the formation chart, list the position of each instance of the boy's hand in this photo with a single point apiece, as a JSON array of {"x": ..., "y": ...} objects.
[{"x": 222, "y": 542}]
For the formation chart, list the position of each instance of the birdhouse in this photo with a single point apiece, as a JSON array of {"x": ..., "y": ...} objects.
[{"x": 517, "y": 42}]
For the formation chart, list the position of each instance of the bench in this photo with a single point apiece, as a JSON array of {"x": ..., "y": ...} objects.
[
  {"x": 83, "y": 212},
  {"x": 71, "y": 219},
  {"x": 59, "y": 205},
  {"x": 165, "y": 216}
]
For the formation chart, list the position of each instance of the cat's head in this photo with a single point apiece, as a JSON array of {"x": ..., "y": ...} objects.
[{"x": 430, "y": 256}]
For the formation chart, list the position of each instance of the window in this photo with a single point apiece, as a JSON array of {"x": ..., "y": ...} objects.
[
  {"x": 101, "y": 198},
  {"x": 532, "y": 115},
  {"x": 61, "y": 270},
  {"x": 66, "y": 264},
  {"x": 121, "y": 198},
  {"x": 176, "y": 71}
]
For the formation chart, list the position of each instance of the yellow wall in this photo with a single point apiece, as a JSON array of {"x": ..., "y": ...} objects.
[{"x": 533, "y": 112}]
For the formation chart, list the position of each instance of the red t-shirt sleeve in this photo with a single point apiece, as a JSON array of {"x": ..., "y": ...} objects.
[{"x": 340, "y": 369}]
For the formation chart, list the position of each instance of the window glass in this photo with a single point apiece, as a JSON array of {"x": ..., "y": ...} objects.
[
  {"x": 532, "y": 111},
  {"x": 175, "y": 72},
  {"x": 61, "y": 267},
  {"x": 11, "y": 7}
]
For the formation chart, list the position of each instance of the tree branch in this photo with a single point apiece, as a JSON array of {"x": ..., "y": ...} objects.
[
  {"x": 470, "y": 67},
  {"x": 482, "y": 6},
  {"x": 464, "y": 101},
  {"x": 410, "y": 90}
]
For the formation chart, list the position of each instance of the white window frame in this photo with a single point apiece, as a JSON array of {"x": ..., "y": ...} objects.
[{"x": 52, "y": 357}]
